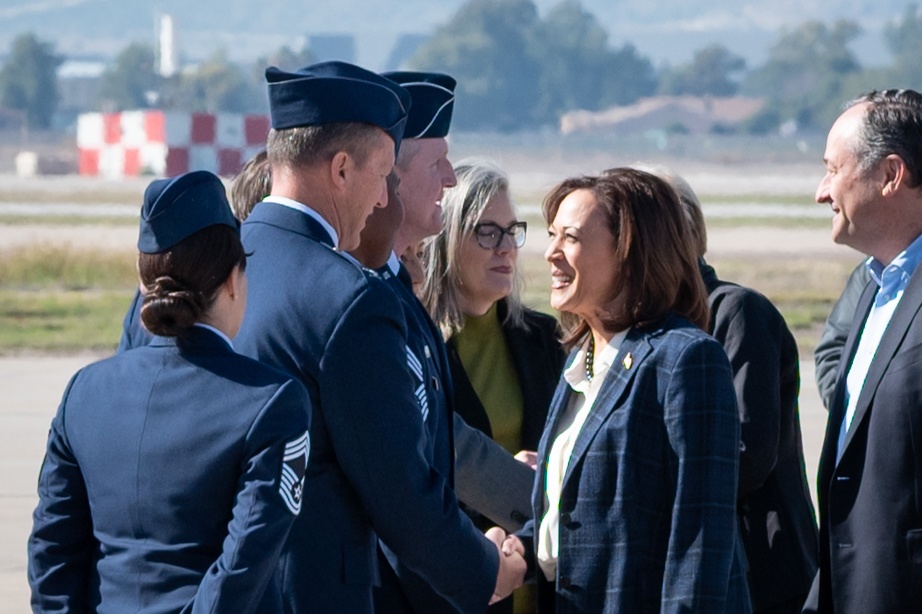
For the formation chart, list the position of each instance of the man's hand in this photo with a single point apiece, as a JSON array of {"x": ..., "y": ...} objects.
[{"x": 512, "y": 565}]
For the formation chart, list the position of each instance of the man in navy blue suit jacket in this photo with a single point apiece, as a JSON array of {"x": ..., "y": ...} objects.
[
  {"x": 869, "y": 486},
  {"x": 316, "y": 314}
]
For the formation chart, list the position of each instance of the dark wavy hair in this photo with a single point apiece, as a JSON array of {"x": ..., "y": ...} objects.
[
  {"x": 655, "y": 270},
  {"x": 181, "y": 283},
  {"x": 892, "y": 125}
]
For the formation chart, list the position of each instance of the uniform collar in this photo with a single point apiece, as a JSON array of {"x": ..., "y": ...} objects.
[{"x": 293, "y": 204}]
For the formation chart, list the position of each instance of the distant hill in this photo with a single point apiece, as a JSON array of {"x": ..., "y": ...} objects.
[{"x": 667, "y": 31}]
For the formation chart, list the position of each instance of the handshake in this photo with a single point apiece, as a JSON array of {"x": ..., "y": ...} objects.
[{"x": 512, "y": 565}]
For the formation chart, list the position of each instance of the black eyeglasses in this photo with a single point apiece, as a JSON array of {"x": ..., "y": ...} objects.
[{"x": 490, "y": 235}]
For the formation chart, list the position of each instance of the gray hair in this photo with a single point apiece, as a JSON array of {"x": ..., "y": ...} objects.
[
  {"x": 462, "y": 207},
  {"x": 892, "y": 125},
  {"x": 691, "y": 206}
]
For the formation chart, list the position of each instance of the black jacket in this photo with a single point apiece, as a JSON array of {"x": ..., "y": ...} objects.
[
  {"x": 538, "y": 358},
  {"x": 777, "y": 520}
]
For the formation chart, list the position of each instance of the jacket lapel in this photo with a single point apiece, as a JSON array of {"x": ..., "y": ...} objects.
[
  {"x": 558, "y": 406},
  {"x": 837, "y": 411},
  {"x": 616, "y": 381},
  {"x": 893, "y": 337}
]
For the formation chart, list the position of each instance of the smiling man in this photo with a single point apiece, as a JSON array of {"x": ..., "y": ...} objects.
[
  {"x": 422, "y": 164},
  {"x": 316, "y": 314},
  {"x": 421, "y": 175},
  {"x": 870, "y": 477}
]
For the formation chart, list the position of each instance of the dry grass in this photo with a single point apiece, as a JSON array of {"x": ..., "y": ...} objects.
[{"x": 48, "y": 267}]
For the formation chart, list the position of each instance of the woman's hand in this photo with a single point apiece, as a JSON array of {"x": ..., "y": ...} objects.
[{"x": 529, "y": 457}]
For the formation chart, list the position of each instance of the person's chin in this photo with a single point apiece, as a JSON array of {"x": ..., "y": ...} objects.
[
  {"x": 347, "y": 243},
  {"x": 558, "y": 300},
  {"x": 436, "y": 226},
  {"x": 839, "y": 234}
]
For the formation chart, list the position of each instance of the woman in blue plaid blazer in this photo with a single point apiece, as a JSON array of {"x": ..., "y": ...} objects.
[{"x": 635, "y": 494}]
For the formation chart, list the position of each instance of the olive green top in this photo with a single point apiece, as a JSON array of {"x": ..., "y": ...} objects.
[{"x": 486, "y": 359}]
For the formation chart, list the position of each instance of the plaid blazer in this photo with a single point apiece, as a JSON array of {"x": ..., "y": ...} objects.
[{"x": 648, "y": 504}]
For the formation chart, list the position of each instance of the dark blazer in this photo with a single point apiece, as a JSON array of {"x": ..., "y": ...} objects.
[
  {"x": 489, "y": 480},
  {"x": 871, "y": 501},
  {"x": 648, "y": 502},
  {"x": 538, "y": 358},
  {"x": 777, "y": 520},
  {"x": 340, "y": 330},
  {"x": 163, "y": 487},
  {"x": 828, "y": 351}
]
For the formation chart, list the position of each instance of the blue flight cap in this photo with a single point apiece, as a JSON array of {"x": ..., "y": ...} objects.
[
  {"x": 178, "y": 207},
  {"x": 331, "y": 92},
  {"x": 433, "y": 96}
]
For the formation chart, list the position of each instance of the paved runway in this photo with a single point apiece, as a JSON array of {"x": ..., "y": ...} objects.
[{"x": 32, "y": 388}]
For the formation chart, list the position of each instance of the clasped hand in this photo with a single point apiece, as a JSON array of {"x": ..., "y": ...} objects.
[{"x": 512, "y": 565}]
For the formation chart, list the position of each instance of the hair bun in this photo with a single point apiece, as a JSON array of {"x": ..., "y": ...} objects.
[{"x": 170, "y": 308}]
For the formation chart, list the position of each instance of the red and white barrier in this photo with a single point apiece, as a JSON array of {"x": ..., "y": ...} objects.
[{"x": 165, "y": 143}]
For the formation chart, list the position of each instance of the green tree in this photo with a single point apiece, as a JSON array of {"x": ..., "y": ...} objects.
[
  {"x": 216, "y": 85},
  {"x": 288, "y": 59},
  {"x": 29, "y": 82},
  {"x": 714, "y": 70},
  {"x": 515, "y": 70},
  {"x": 904, "y": 40},
  {"x": 571, "y": 47},
  {"x": 806, "y": 75},
  {"x": 285, "y": 58},
  {"x": 627, "y": 76},
  {"x": 131, "y": 82},
  {"x": 485, "y": 46},
  {"x": 578, "y": 68}
]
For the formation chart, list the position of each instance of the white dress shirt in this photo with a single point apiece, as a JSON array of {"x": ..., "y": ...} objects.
[
  {"x": 892, "y": 280},
  {"x": 582, "y": 398}
]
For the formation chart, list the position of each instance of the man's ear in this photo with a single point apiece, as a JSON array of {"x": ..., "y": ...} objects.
[
  {"x": 895, "y": 174},
  {"x": 340, "y": 166}
]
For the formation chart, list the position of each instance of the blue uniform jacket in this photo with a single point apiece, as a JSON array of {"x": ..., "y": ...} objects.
[
  {"x": 342, "y": 332},
  {"x": 134, "y": 334},
  {"x": 165, "y": 486},
  {"x": 648, "y": 504}
]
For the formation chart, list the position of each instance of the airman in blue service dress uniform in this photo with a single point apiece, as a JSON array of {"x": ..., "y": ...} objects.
[
  {"x": 316, "y": 314},
  {"x": 432, "y": 96},
  {"x": 173, "y": 472}
]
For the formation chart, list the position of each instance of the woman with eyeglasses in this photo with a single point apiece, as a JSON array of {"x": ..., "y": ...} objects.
[{"x": 505, "y": 358}]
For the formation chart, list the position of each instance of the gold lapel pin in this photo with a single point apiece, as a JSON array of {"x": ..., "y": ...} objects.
[{"x": 628, "y": 361}]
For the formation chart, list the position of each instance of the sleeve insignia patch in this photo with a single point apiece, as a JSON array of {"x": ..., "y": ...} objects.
[{"x": 294, "y": 463}]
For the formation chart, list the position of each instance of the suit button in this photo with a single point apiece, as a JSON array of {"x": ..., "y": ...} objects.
[
  {"x": 518, "y": 517},
  {"x": 564, "y": 582}
]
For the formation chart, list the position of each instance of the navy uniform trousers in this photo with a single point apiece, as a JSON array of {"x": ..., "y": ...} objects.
[
  {"x": 170, "y": 483},
  {"x": 342, "y": 332}
]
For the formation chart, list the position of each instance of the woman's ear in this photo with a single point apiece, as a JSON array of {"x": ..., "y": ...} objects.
[{"x": 232, "y": 284}]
